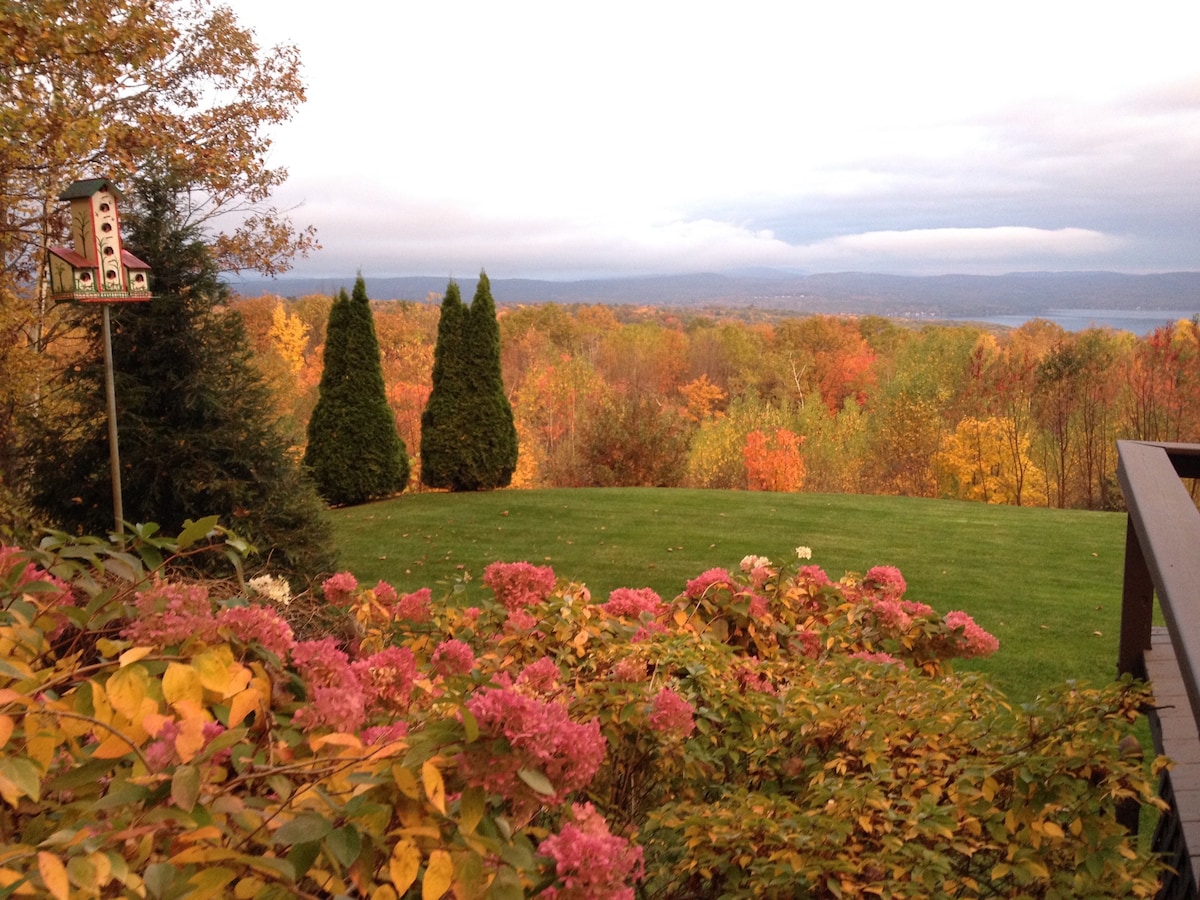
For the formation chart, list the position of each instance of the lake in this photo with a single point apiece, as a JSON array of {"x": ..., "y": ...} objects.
[{"x": 1140, "y": 321}]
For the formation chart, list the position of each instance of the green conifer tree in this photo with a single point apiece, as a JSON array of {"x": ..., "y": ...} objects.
[
  {"x": 192, "y": 411},
  {"x": 468, "y": 436},
  {"x": 354, "y": 452}
]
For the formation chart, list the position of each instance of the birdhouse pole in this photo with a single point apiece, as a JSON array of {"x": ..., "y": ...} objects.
[
  {"x": 97, "y": 269},
  {"x": 110, "y": 396}
]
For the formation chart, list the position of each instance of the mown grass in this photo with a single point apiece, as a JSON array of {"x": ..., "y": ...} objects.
[{"x": 1046, "y": 582}]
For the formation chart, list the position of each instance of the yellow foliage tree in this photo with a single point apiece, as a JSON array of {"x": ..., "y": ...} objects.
[{"x": 984, "y": 461}]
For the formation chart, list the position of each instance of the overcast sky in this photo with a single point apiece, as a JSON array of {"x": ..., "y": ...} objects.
[{"x": 570, "y": 140}]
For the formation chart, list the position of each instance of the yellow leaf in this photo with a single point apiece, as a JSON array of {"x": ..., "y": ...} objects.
[
  {"x": 403, "y": 866},
  {"x": 190, "y": 739},
  {"x": 42, "y": 737},
  {"x": 126, "y": 689},
  {"x": 129, "y": 657},
  {"x": 54, "y": 875},
  {"x": 435, "y": 788},
  {"x": 406, "y": 781},
  {"x": 6, "y": 729},
  {"x": 1052, "y": 829},
  {"x": 990, "y": 786},
  {"x": 182, "y": 682},
  {"x": 384, "y": 892},
  {"x": 218, "y": 671},
  {"x": 438, "y": 874},
  {"x": 242, "y": 704}
]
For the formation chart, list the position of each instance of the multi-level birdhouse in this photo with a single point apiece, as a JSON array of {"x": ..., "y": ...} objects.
[{"x": 96, "y": 268}]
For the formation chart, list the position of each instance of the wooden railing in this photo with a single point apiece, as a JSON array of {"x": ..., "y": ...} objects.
[{"x": 1162, "y": 559}]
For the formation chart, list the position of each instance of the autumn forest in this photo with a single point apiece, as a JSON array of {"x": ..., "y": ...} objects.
[{"x": 638, "y": 396}]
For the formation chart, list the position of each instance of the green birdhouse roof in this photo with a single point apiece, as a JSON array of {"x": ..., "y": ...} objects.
[{"x": 89, "y": 186}]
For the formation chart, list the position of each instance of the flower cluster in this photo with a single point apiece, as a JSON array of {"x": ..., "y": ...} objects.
[
  {"x": 885, "y": 580},
  {"x": 387, "y": 678},
  {"x": 167, "y": 613},
  {"x": 339, "y": 589},
  {"x": 258, "y": 624},
  {"x": 519, "y": 584},
  {"x": 520, "y": 732},
  {"x": 414, "y": 607},
  {"x": 971, "y": 640},
  {"x": 750, "y": 563},
  {"x": 631, "y": 603},
  {"x": 697, "y": 587},
  {"x": 590, "y": 862},
  {"x": 336, "y": 696},
  {"x": 671, "y": 715},
  {"x": 453, "y": 657},
  {"x": 277, "y": 590}
]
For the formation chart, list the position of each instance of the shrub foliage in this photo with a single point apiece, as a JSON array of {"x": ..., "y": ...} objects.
[
  {"x": 767, "y": 733},
  {"x": 354, "y": 452},
  {"x": 468, "y": 435}
]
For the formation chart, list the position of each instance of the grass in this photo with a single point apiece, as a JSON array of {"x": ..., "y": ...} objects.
[{"x": 1046, "y": 582}]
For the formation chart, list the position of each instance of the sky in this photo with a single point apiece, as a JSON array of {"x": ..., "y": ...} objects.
[{"x": 573, "y": 140}]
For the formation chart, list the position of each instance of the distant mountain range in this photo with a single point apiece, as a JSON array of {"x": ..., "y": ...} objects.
[{"x": 938, "y": 296}]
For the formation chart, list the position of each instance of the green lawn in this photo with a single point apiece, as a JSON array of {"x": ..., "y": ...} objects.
[{"x": 1046, "y": 582}]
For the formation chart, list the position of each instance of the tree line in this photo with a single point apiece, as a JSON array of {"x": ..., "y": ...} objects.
[{"x": 605, "y": 396}]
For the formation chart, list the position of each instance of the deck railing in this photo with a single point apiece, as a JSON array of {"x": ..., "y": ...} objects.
[{"x": 1162, "y": 559}]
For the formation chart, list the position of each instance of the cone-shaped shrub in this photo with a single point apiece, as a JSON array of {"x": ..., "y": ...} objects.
[
  {"x": 468, "y": 437},
  {"x": 354, "y": 451}
]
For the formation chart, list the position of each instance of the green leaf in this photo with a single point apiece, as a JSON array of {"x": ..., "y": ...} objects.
[
  {"x": 345, "y": 844},
  {"x": 158, "y": 878},
  {"x": 306, "y": 827},
  {"x": 537, "y": 781},
  {"x": 24, "y": 774},
  {"x": 506, "y": 886},
  {"x": 303, "y": 855},
  {"x": 195, "y": 531},
  {"x": 185, "y": 787}
]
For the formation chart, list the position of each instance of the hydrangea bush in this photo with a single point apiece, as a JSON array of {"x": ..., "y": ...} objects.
[{"x": 768, "y": 732}]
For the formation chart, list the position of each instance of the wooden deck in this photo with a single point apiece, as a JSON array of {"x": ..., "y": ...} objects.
[{"x": 1174, "y": 732}]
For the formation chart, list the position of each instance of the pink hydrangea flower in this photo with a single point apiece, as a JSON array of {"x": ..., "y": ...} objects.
[
  {"x": 384, "y": 593},
  {"x": 520, "y": 620},
  {"x": 13, "y": 558},
  {"x": 632, "y": 602},
  {"x": 414, "y": 607},
  {"x": 387, "y": 678},
  {"x": 471, "y": 614},
  {"x": 382, "y": 734},
  {"x": 697, "y": 586},
  {"x": 629, "y": 669},
  {"x": 590, "y": 862},
  {"x": 808, "y": 643},
  {"x": 259, "y": 625},
  {"x": 671, "y": 714},
  {"x": 540, "y": 677},
  {"x": 519, "y": 731},
  {"x": 519, "y": 584},
  {"x": 166, "y": 614},
  {"x": 891, "y": 616},
  {"x": 339, "y": 589},
  {"x": 813, "y": 576},
  {"x": 973, "y": 641},
  {"x": 453, "y": 657},
  {"x": 885, "y": 580},
  {"x": 758, "y": 607},
  {"x": 915, "y": 609},
  {"x": 336, "y": 697}
]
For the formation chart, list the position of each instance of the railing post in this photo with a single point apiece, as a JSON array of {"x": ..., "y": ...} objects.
[{"x": 1137, "y": 607}]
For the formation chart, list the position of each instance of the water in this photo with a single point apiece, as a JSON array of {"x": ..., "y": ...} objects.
[{"x": 1140, "y": 321}]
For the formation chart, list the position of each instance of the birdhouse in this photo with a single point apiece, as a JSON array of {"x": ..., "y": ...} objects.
[{"x": 96, "y": 268}]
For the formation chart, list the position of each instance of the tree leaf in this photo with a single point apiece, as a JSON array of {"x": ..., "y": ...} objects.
[
  {"x": 439, "y": 873},
  {"x": 308, "y": 826},
  {"x": 435, "y": 787},
  {"x": 404, "y": 865},
  {"x": 537, "y": 781},
  {"x": 185, "y": 787},
  {"x": 54, "y": 875},
  {"x": 345, "y": 844}
]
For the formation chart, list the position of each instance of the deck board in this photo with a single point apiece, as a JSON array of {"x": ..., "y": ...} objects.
[{"x": 1176, "y": 736}]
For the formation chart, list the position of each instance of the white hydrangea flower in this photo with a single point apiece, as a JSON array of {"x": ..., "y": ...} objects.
[
  {"x": 804, "y": 552},
  {"x": 271, "y": 587},
  {"x": 750, "y": 563}
]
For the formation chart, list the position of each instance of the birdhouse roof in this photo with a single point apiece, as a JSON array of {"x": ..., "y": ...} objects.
[
  {"x": 79, "y": 262},
  {"x": 131, "y": 261},
  {"x": 89, "y": 186}
]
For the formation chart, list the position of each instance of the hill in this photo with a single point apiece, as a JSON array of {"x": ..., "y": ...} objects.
[{"x": 938, "y": 296}]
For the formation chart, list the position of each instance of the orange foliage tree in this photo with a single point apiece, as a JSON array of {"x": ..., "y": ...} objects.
[{"x": 773, "y": 462}]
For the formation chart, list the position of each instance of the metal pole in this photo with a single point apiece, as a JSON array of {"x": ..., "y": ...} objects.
[{"x": 114, "y": 453}]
